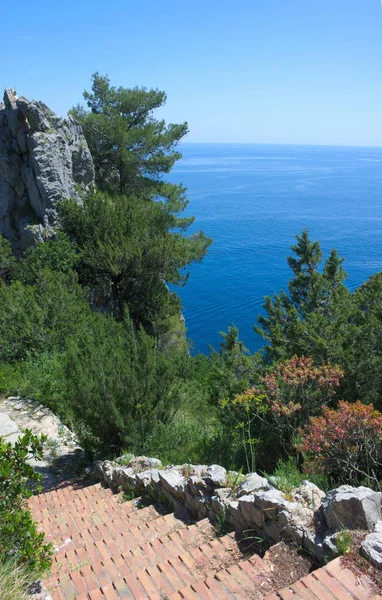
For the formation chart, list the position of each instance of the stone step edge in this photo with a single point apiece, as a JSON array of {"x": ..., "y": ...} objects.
[
  {"x": 93, "y": 500},
  {"x": 235, "y": 581}
]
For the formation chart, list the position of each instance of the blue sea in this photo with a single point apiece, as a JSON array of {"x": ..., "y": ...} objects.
[{"x": 252, "y": 200}]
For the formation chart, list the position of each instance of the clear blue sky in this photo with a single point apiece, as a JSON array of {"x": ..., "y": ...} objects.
[{"x": 264, "y": 71}]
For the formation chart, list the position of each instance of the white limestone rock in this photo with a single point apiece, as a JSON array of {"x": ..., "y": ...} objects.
[
  {"x": 174, "y": 483},
  {"x": 148, "y": 479},
  {"x": 251, "y": 514},
  {"x": 235, "y": 516},
  {"x": 270, "y": 503},
  {"x": 309, "y": 494},
  {"x": 216, "y": 476},
  {"x": 220, "y": 501},
  {"x": 378, "y": 527},
  {"x": 125, "y": 478},
  {"x": 351, "y": 507},
  {"x": 371, "y": 548},
  {"x": 43, "y": 159},
  {"x": 142, "y": 463},
  {"x": 253, "y": 483}
]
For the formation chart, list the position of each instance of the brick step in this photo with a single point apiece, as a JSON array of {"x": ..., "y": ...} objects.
[
  {"x": 82, "y": 499},
  {"x": 140, "y": 553},
  {"x": 117, "y": 551},
  {"x": 153, "y": 574},
  {"x": 67, "y": 519},
  {"x": 334, "y": 581},
  {"x": 70, "y": 499},
  {"x": 240, "y": 581},
  {"x": 72, "y": 524},
  {"x": 148, "y": 529},
  {"x": 72, "y": 491}
]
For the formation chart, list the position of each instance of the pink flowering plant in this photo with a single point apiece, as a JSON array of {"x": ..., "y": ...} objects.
[
  {"x": 297, "y": 389},
  {"x": 270, "y": 413},
  {"x": 345, "y": 444}
]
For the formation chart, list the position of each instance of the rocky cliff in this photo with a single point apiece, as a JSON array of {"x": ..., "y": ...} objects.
[{"x": 43, "y": 159}]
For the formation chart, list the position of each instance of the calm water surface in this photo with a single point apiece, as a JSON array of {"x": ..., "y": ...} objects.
[{"x": 252, "y": 200}]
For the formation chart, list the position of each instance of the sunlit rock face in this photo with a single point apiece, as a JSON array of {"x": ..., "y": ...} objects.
[{"x": 43, "y": 159}]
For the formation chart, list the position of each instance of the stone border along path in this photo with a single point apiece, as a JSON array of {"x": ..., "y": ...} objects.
[
  {"x": 63, "y": 456},
  {"x": 112, "y": 550}
]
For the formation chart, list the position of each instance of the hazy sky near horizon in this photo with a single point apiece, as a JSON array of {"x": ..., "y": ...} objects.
[{"x": 261, "y": 71}]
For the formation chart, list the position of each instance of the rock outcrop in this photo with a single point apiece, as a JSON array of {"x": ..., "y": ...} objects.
[
  {"x": 63, "y": 457},
  {"x": 352, "y": 508},
  {"x": 43, "y": 159},
  {"x": 371, "y": 548}
]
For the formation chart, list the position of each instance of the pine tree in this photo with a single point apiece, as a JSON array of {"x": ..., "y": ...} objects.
[
  {"x": 303, "y": 322},
  {"x": 131, "y": 149},
  {"x": 130, "y": 233},
  {"x": 130, "y": 250}
]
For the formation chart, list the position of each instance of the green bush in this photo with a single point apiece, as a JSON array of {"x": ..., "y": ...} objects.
[
  {"x": 19, "y": 538},
  {"x": 41, "y": 377},
  {"x": 120, "y": 384},
  {"x": 343, "y": 541},
  {"x": 40, "y": 317},
  {"x": 184, "y": 440},
  {"x": 58, "y": 256},
  {"x": 10, "y": 379}
]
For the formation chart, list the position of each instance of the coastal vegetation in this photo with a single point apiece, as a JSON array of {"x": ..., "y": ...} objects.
[
  {"x": 90, "y": 327},
  {"x": 24, "y": 555}
]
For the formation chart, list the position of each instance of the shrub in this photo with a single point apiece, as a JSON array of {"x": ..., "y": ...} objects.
[
  {"x": 265, "y": 417},
  {"x": 41, "y": 377},
  {"x": 244, "y": 411},
  {"x": 10, "y": 378},
  {"x": 19, "y": 539},
  {"x": 7, "y": 260},
  {"x": 40, "y": 317},
  {"x": 186, "y": 439},
  {"x": 120, "y": 384},
  {"x": 346, "y": 444},
  {"x": 296, "y": 389},
  {"x": 126, "y": 457}
]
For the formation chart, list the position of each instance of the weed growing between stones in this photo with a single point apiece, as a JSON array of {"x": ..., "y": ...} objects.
[
  {"x": 344, "y": 541},
  {"x": 235, "y": 478}
]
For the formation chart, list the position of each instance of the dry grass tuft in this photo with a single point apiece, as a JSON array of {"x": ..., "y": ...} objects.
[{"x": 14, "y": 581}]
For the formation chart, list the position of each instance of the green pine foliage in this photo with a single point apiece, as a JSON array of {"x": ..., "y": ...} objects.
[
  {"x": 322, "y": 319},
  {"x": 7, "y": 260},
  {"x": 88, "y": 323},
  {"x": 120, "y": 384},
  {"x": 130, "y": 250},
  {"x": 131, "y": 149}
]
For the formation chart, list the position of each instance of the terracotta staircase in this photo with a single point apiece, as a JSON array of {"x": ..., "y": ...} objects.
[{"x": 109, "y": 549}]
